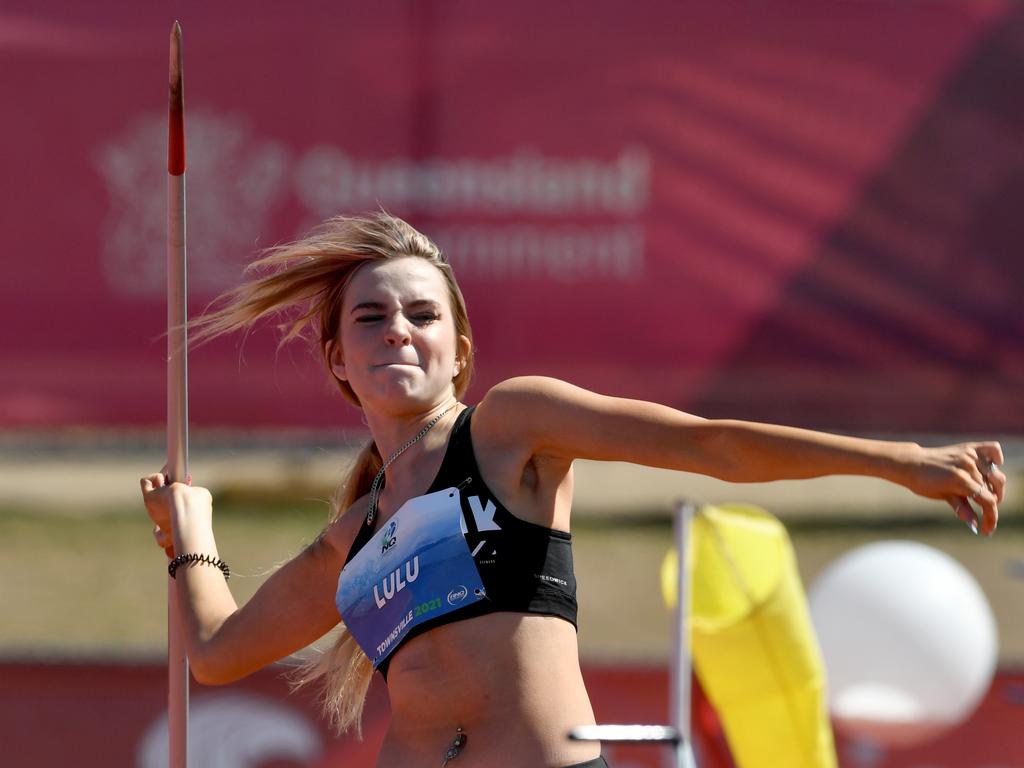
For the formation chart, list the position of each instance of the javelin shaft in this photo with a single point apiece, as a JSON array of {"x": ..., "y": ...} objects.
[{"x": 177, "y": 389}]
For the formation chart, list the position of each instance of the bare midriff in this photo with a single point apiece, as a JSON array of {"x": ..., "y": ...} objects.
[{"x": 510, "y": 681}]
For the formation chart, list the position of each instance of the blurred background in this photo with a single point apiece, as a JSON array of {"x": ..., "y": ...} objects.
[{"x": 805, "y": 213}]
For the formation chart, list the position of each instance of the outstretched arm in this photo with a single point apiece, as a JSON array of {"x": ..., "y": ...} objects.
[
  {"x": 293, "y": 608},
  {"x": 547, "y": 417}
]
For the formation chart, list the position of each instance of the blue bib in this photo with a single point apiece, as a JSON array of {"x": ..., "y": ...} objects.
[{"x": 415, "y": 568}]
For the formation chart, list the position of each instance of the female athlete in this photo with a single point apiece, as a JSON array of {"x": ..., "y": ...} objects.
[{"x": 448, "y": 559}]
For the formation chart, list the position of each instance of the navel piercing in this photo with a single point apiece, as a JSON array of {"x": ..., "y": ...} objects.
[{"x": 457, "y": 744}]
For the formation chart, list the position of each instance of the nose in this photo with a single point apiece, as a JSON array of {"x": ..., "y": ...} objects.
[{"x": 397, "y": 333}]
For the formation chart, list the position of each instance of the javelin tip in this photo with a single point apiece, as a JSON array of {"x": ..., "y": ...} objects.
[
  {"x": 176, "y": 107},
  {"x": 175, "y": 49}
]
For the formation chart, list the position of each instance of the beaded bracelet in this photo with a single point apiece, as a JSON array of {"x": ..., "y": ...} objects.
[{"x": 192, "y": 557}]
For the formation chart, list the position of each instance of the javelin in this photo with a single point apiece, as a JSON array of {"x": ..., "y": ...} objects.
[{"x": 177, "y": 390}]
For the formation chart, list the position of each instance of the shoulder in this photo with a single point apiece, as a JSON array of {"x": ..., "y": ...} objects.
[
  {"x": 520, "y": 413},
  {"x": 540, "y": 416},
  {"x": 531, "y": 392},
  {"x": 509, "y": 405}
]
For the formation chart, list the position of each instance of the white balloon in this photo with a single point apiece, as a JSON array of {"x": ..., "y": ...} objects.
[{"x": 908, "y": 638}]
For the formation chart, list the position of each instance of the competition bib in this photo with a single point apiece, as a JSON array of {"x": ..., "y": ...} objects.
[{"x": 416, "y": 568}]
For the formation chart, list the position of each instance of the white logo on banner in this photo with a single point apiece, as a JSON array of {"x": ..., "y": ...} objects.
[
  {"x": 235, "y": 731},
  {"x": 234, "y": 179}
]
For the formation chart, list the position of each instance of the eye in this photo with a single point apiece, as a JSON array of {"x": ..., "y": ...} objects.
[
  {"x": 425, "y": 318},
  {"x": 368, "y": 318}
]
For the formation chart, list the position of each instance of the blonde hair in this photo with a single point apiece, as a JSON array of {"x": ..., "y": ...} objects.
[{"x": 304, "y": 284}]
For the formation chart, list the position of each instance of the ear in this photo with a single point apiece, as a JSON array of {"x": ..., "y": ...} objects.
[
  {"x": 463, "y": 349},
  {"x": 336, "y": 360}
]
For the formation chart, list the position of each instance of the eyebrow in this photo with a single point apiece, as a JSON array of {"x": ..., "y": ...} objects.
[{"x": 378, "y": 306}]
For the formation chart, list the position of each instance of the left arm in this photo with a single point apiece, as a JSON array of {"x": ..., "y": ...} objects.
[{"x": 550, "y": 418}]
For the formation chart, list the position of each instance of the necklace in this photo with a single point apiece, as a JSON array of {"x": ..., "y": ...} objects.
[{"x": 375, "y": 487}]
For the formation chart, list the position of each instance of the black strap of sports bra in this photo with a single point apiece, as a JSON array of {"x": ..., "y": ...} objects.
[
  {"x": 452, "y": 472},
  {"x": 459, "y": 463}
]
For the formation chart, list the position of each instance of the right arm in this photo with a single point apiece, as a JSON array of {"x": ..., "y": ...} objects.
[
  {"x": 536, "y": 418},
  {"x": 294, "y": 607}
]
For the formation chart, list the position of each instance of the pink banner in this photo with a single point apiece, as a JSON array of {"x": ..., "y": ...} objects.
[{"x": 804, "y": 213}]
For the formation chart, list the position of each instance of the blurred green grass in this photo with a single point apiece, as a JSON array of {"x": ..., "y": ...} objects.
[{"x": 95, "y": 585}]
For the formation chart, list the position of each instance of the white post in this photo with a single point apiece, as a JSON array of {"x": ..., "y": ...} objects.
[{"x": 680, "y": 669}]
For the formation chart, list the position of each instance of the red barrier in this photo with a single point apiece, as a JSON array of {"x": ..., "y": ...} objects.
[
  {"x": 804, "y": 213},
  {"x": 93, "y": 715}
]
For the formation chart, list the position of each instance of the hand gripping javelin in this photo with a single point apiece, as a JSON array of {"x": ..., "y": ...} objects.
[{"x": 177, "y": 390}]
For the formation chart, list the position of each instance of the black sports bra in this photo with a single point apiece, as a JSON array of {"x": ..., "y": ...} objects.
[{"x": 525, "y": 567}]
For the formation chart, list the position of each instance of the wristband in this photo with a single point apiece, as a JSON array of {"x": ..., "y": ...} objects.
[{"x": 192, "y": 557}]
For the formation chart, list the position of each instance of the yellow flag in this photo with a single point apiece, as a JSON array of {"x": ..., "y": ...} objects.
[{"x": 754, "y": 647}]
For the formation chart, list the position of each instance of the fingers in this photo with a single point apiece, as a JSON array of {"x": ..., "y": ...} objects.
[
  {"x": 989, "y": 457},
  {"x": 992, "y": 451},
  {"x": 164, "y": 540},
  {"x": 156, "y": 504},
  {"x": 982, "y": 485},
  {"x": 154, "y": 489},
  {"x": 982, "y": 496},
  {"x": 989, "y": 509},
  {"x": 152, "y": 482},
  {"x": 165, "y": 471},
  {"x": 993, "y": 485},
  {"x": 997, "y": 483}
]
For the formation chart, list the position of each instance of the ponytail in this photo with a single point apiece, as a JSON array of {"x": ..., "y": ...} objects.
[{"x": 344, "y": 671}]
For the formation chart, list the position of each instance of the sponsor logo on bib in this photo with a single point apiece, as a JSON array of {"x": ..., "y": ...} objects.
[{"x": 390, "y": 536}]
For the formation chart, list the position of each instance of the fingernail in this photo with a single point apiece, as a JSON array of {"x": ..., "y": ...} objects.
[{"x": 973, "y": 526}]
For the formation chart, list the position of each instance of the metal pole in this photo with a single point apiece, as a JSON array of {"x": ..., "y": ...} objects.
[
  {"x": 678, "y": 733},
  {"x": 680, "y": 669},
  {"x": 177, "y": 390}
]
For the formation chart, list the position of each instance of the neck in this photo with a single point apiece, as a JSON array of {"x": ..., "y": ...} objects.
[
  {"x": 432, "y": 418},
  {"x": 390, "y": 432}
]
